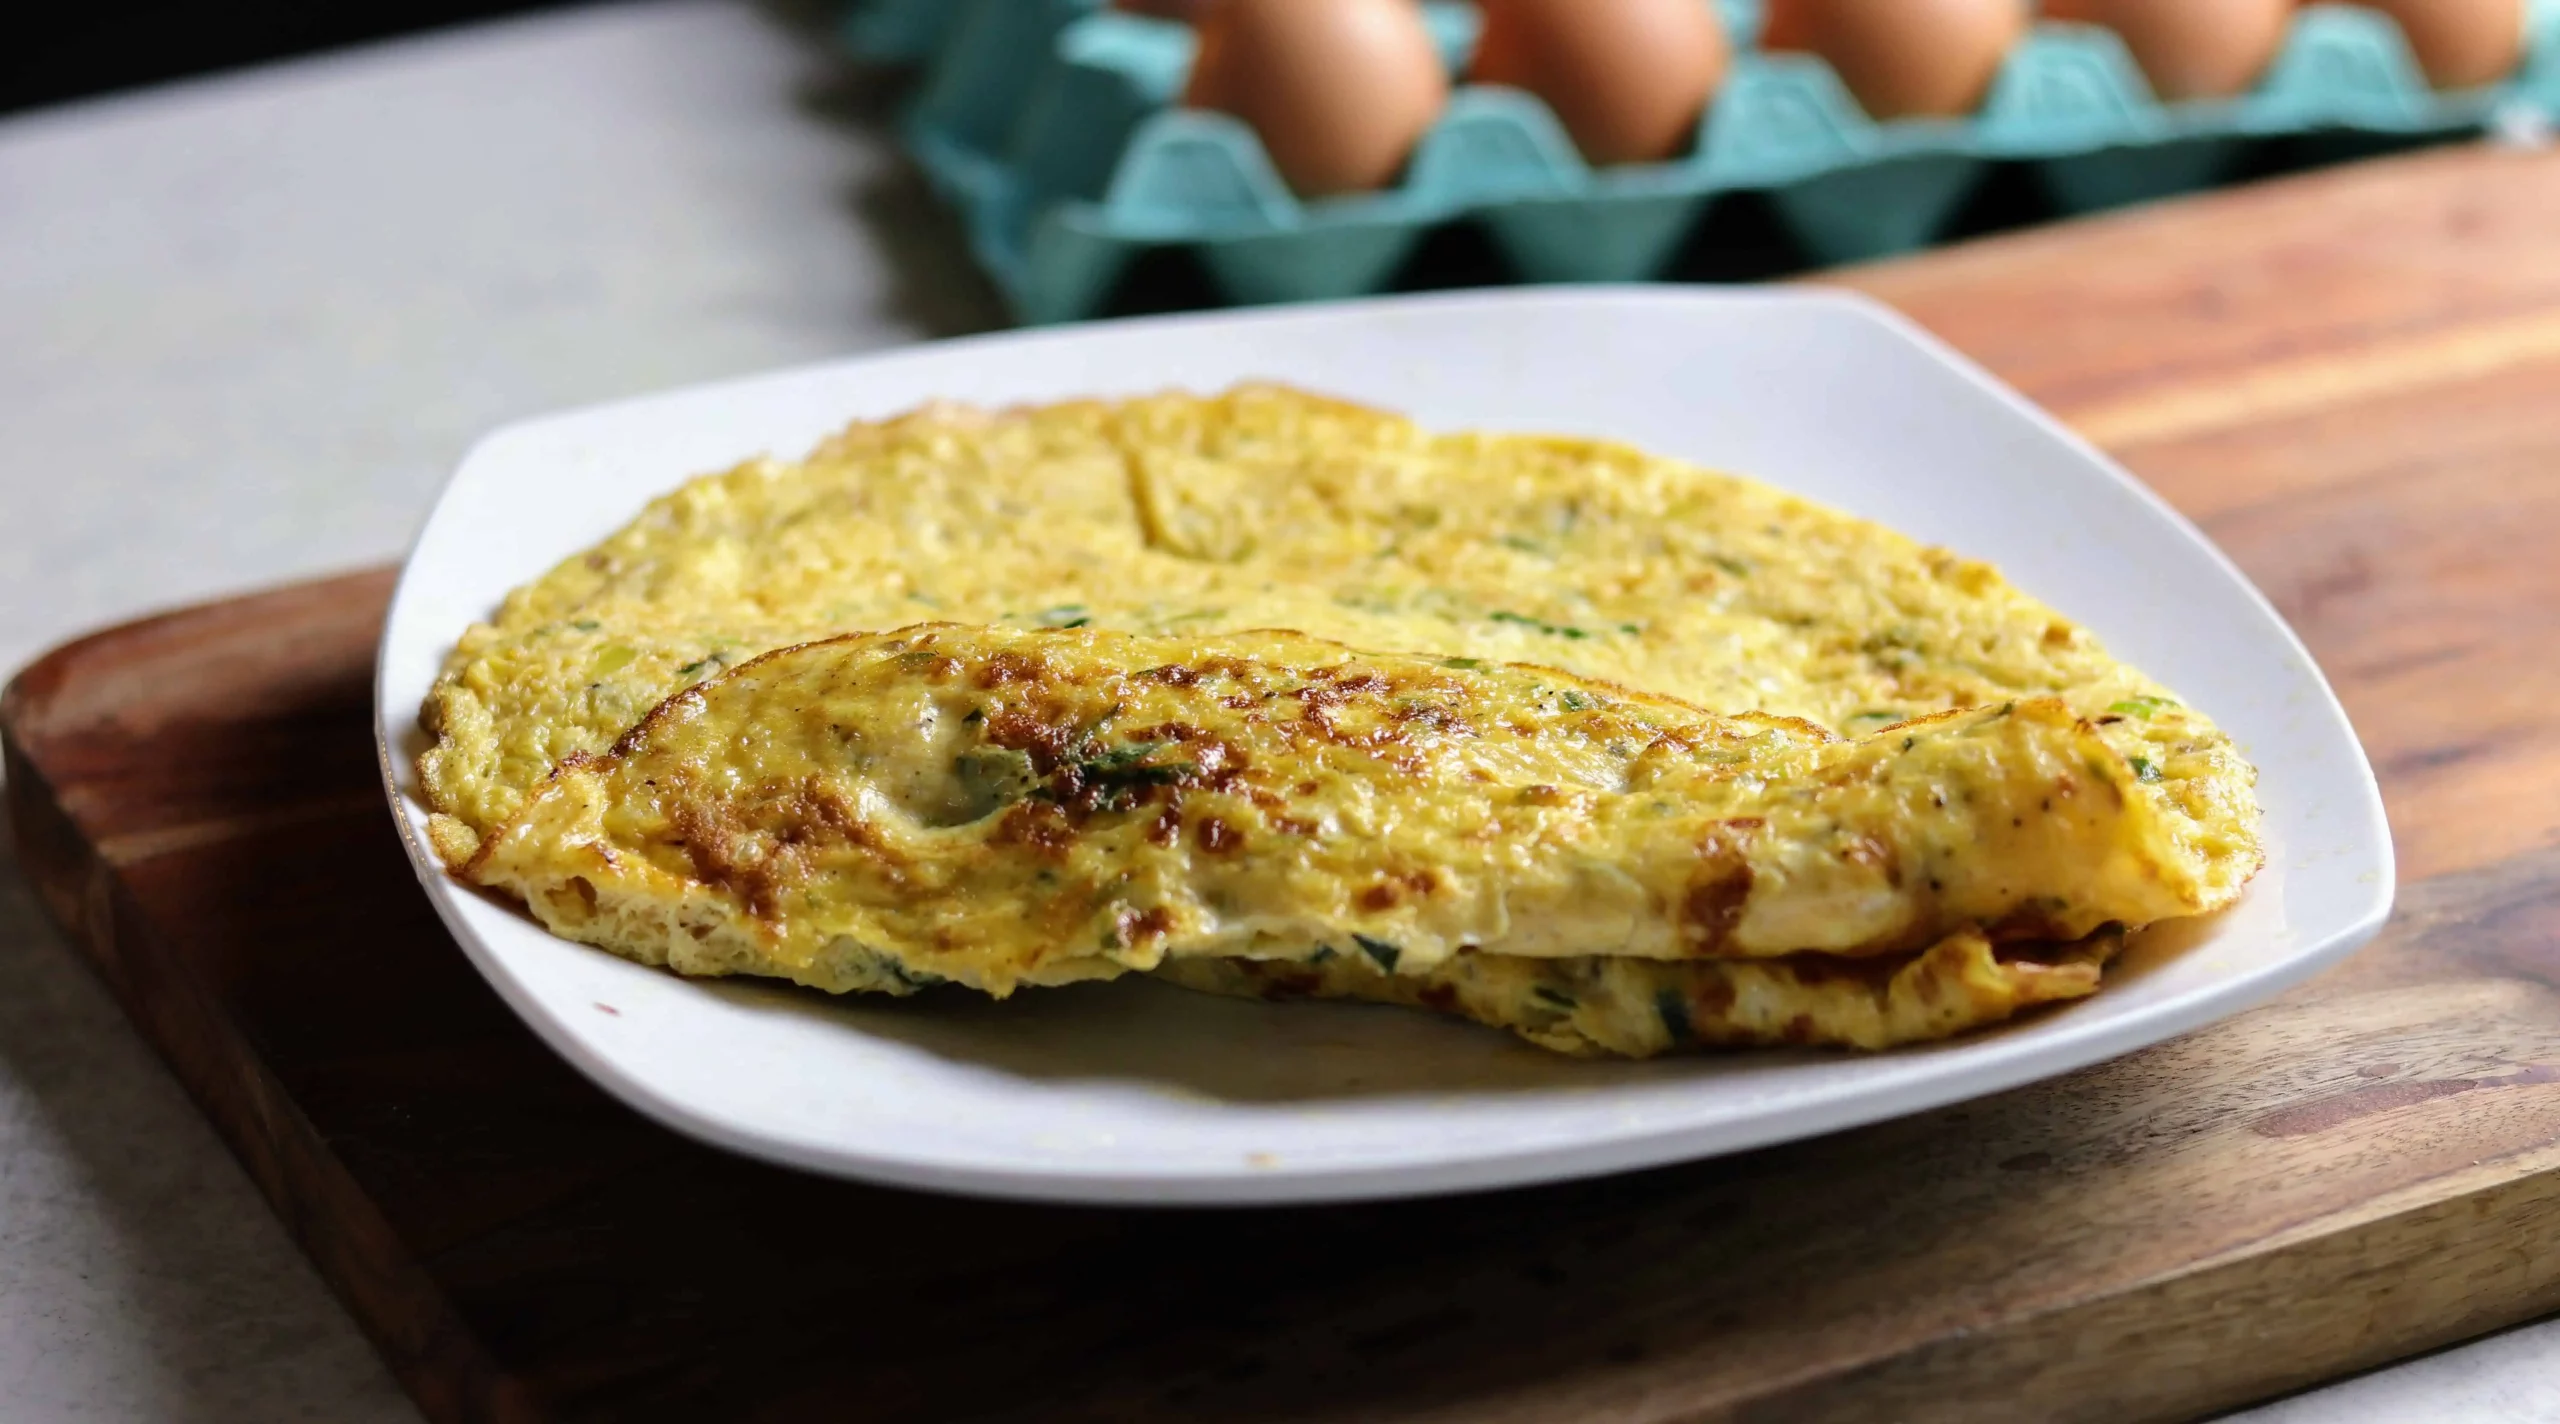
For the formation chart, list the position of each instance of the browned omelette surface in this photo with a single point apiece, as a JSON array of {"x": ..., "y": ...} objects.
[{"x": 995, "y": 807}]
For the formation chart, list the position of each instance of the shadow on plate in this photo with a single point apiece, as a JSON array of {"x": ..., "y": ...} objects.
[
  {"x": 1186, "y": 1046},
  {"x": 2147, "y": 951},
  {"x": 1182, "y": 1044}
]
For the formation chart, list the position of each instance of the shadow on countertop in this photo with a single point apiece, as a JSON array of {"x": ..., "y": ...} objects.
[
  {"x": 936, "y": 285},
  {"x": 58, "y": 53}
]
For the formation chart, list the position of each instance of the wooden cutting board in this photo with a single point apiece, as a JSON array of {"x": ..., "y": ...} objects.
[{"x": 2349, "y": 378}]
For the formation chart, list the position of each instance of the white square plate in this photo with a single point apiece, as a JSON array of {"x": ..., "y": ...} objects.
[{"x": 1134, "y": 1092}]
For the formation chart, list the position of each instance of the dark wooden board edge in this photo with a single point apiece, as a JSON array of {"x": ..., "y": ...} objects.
[{"x": 321, "y": 1206}]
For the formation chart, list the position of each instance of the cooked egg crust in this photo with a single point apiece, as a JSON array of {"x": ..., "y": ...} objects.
[
  {"x": 1635, "y": 1008},
  {"x": 1467, "y": 813},
  {"x": 996, "y": 806}
]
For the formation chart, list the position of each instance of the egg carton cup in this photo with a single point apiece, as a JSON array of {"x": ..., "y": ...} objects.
[{"x": 1054, "y": 127}]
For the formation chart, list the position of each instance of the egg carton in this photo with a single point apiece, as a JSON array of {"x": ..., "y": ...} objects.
[{"x": 1053, "y": 126}]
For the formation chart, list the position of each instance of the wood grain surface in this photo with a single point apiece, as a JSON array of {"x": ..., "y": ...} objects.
[{"x": 2344, "y": 377}]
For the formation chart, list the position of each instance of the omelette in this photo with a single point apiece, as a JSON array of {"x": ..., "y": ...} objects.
[
  {"x": 1595, "y": 1006},
  {"x": 1269, "y": 694}
]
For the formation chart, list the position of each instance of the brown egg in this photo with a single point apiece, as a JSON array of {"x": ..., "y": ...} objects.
[
  {"x": 1904, "y": 58},
  {"x": 2191, "y": 49},
  {"x": 1339, "y": 90},
  {"x": 2461, "y": 44},
  {"x": 1628, "y": 78}
]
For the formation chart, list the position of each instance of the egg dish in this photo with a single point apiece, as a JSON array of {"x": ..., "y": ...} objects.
[{"x": 1269, "y": 694}]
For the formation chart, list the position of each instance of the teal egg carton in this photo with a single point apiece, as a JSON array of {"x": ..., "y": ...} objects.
[{"x": 1054, "y": 127}]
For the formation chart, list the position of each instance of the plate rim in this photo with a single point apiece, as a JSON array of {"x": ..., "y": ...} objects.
[{"x": 1633, "y": 1149}]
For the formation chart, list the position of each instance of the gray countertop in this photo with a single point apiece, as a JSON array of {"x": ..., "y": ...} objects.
[{"x": 250, "y": 324}]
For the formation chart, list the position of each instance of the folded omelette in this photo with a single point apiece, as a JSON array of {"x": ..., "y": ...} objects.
[{"x": 1268, "y": 694}]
